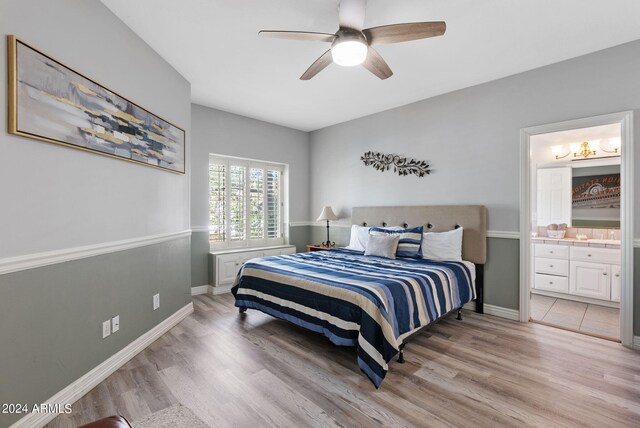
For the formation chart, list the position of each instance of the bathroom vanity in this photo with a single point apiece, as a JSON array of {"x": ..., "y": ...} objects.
[{"x": 583, "y": 270}]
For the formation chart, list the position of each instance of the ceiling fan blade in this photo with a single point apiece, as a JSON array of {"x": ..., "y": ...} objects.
[
  {"x": 351, "y": 13},
  {"x": 397, "y": 33},
  {"x": 375, "y": 64},
  {"x": 320, "y": 64},
  {"x": 298, "y": 35}
]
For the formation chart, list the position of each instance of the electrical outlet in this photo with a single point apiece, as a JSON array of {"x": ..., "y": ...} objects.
[
  {"x": 106, "y": 328},
  {"x": 156, "y": 301},
  {"x": 115, "y": 323}
]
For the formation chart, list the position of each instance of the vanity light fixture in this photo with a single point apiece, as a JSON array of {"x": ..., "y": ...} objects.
[{"x": 578, "y": 149}]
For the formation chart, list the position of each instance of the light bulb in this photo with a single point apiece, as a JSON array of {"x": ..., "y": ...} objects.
[
  {"x": 556, "y": 150},
  {"x": 349, "y": 53}
]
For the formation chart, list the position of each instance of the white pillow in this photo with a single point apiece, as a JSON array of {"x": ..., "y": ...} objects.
[
  {"x": 443, "y": 245},
  {"x": 382, "y": 246},
  {"x": 360, "y": 236}
]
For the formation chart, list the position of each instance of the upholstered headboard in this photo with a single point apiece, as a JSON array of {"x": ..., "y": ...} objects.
[{"x": 434, "y": 218}]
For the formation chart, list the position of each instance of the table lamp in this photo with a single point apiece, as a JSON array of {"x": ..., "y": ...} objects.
[{"x": 328, "y": 215}]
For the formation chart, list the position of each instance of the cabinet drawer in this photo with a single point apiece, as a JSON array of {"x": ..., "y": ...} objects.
[
  {"x": 596, "y": 255},
  {"x": 551, "y": 283},
  {"x": 552, "y": 266},
  {"x": 552, "y": 251}
]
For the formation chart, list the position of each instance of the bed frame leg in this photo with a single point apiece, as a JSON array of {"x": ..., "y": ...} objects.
[
  {"x": 242, "y": 309},
  {"x": 401, "y": 356},
  {"x": 459, "y": 317}
]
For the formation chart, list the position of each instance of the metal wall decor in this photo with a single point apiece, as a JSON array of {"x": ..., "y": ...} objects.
[{"x": 403, "y": 166}]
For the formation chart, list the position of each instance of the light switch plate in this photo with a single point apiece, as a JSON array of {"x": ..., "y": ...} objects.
[
  {"x": 106, "y": 328},
  {"x": 115, "y": 323},
  {"x": 156, "y": 301}
]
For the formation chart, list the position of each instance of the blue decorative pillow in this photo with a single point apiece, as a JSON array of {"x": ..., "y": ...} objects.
[{"x": 410, "y": 240}]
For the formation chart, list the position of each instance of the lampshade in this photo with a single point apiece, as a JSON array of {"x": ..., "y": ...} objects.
[
  {"x": 557, "y": 150},
  {"x": 327, "y": 214},
  {"x": 615, "y": 143}
]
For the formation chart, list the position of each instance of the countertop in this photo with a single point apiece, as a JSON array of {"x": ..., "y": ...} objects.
[{"x": 596, "y": 243}]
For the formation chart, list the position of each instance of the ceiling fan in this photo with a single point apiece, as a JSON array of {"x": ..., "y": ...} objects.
[{"x": 352, "y": 45}]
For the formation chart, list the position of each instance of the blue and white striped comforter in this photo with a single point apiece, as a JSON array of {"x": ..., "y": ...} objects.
[{"x": 355, "y": 300}]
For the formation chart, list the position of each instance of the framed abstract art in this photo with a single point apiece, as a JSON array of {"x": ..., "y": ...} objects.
[{"x": 51, "y": 102}]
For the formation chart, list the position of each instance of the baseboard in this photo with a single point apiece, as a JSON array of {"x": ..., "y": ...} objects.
[
  {"x": 90, "y": 380},
  {"x": 496, "y": 311},
  {"x": 200, "y": 289},
  {"x": 221, "y": 289},
  {"x": 636, "y": 342},
  {"x": 499, "y": 311},
  {"x": 209, "y": 289}
]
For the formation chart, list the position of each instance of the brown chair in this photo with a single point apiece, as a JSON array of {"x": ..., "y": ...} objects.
[{"x": 110, "y": 422}]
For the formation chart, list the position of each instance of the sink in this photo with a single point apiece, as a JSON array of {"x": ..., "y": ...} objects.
[{"x": 604, "y": 241}]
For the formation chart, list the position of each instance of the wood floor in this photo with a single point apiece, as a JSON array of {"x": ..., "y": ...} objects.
[{"x": 255, "y": 371}]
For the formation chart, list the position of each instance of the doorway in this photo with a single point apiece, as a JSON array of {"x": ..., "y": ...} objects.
[{"x": 577, "y": 226}]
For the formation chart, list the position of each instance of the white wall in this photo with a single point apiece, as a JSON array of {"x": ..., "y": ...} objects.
[
  {"x": 471, "y": 137},
  {"x": 55, "y": 197}
]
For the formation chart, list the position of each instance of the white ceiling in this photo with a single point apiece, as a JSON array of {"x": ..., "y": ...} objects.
[{"x": 214, "y": 44}]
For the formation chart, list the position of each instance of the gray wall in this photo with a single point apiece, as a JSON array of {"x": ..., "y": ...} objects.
[
  {"x": 58, "y": 198},
  {"x": 228, "y": 134},
  {"x": 56, "y": 314},
  {"x": 471, "y": 138}
]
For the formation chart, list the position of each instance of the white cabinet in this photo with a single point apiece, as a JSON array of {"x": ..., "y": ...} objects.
[
  {"x": 579, "y": 271},
  {"x": 590, "y": 280},
  {"x": 226, "y": 265},
  {"x": 615, "y": 283}
]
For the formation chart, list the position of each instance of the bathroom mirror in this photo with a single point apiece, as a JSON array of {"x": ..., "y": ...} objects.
[{"x": 596, "y": 196}]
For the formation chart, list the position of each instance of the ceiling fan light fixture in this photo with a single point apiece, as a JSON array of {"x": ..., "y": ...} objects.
[{"x": 349, "y": 53}]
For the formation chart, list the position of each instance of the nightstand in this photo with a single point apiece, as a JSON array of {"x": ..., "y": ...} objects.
[{"x": 318, "y": 248}]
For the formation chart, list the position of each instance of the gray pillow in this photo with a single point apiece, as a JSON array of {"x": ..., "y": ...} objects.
[{"x": 382, "y": 246}]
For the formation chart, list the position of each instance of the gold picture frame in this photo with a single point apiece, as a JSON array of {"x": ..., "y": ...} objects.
[{"x": 50, "y": 101}]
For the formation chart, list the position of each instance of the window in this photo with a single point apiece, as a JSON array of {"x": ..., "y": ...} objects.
[{"x": 245, "y": 203}]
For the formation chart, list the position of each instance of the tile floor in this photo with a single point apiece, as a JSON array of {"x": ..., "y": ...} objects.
[{"x": 585, "y": 318}]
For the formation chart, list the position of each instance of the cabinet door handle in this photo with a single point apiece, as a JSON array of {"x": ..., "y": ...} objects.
[
  {"x": 551, "y": 252},
  {"x": 604, "y": 273},
  {"x": 588, "y": 255},
  {"x": 550, "y": 282},
  {"x": 550, "y": 266},
  {"x": 617, "y": 275}
]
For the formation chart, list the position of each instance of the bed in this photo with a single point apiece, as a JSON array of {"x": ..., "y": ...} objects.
[{"x": 371, "y": 303}]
